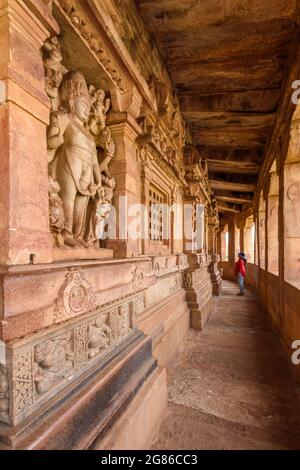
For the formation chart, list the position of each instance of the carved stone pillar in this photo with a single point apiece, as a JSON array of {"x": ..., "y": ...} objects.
[
  {"x": 231, "y": 247},
  {"x": 145, "y": 182},
  {"x": 24, "y": 113},
  {"x": 248, "y": 239},
  {"x": 291, "y": 201},
  {"x": 273, "y": 205},
  {"x": 215, "y": 275},
  {"x": 124, "y": 130},
  {"x": 262, "y": 232},
  {"x": 198, "y": 286},
  {"x": 188, "y": 241},
  {"x": 211, "y": 236}
]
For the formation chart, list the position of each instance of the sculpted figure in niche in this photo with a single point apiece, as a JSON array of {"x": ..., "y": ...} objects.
[
  {"x": 56, "y": 211},
  {"x": 99, "y": 110},
  {"x": 99, "y": 336},
  {"x": 54, "y": 70},
  {"x": 100, "y": 208},
  {"x": 54, "y": 362},
  {"x": 74, "y": 164}
]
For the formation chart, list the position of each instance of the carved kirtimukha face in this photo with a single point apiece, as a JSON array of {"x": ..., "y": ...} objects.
[{"x": 82, "y": 108}]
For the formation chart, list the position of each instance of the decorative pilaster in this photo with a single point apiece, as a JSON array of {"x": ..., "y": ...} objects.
[
  {"x": 124, "y": 129},
  {"x": 24, "y": 114}
]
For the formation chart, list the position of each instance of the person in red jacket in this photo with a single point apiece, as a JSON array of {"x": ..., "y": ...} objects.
[{"x": 240, "y": 272}]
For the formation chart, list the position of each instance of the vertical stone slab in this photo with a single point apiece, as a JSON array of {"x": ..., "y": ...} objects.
[{"x": 24, "y": 111}]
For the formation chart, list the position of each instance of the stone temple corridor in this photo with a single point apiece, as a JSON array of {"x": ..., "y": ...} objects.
[
  {"x": 149, "y": 158},
  {"x": 232, "y": 388}
]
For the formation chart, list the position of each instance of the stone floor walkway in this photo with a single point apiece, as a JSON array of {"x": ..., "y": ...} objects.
[{"x": 232, "y": 388}]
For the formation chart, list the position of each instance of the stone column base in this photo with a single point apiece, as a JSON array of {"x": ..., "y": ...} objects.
[
  {"x": 198, "y": 288},
  {"x": 215, "y": 276},
  {"x": 216, "y": 280}
]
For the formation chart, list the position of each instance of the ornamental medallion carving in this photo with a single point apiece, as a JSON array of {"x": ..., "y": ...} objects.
[
  {"x": 293, "y": 192},
  {"x": 76, "y": 297}
]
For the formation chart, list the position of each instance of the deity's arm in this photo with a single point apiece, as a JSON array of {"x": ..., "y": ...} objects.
[
  {"x": 55, "y": 132},
  {"x": 106, "y": 106},
  {"x": 96, "y": 170}
]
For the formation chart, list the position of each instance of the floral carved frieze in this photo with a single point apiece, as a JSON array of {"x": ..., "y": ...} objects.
[
  {"x": 75, "y": 297},
  {"x": 49, "y": 361}
]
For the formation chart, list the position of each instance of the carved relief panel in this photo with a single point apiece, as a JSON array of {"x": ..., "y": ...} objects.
[{"x": 41, "y": 367}]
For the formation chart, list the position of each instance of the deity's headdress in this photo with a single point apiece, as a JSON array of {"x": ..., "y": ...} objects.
[{"x": 73, "y": 86}]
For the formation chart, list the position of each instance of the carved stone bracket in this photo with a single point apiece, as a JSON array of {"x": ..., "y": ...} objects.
[{"x": 82, "y": 25}]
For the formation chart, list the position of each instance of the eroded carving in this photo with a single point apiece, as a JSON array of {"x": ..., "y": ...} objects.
[
  {"x": 54, "y": 361},
  {"x": 120, "y": 322},
  {"x": 4, "y": 404},
  {"x": 187, "y": 280},
  {"x": 293, "y": 192},
  {"x": 54, "y": 70},
  {"x": 99, "y": 336},
  {"x": 138, "y": 278}
]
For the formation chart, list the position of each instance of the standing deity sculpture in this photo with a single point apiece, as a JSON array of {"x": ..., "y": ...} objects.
[
  {"x": 75, "y": 165},
  {"x": 80, "y": 149}
]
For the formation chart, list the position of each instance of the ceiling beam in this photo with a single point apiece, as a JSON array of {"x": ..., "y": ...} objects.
[
  {"x": 235, "y": 200},
  {"x": 225, "y": 208},
  {"x": 227, "y": 185},
  {"x": 259, "y": 101},
  {"x": 230, "y": 137},
  {"x": 231, "y": 166},
  {"x": 221, "y": 120}
]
